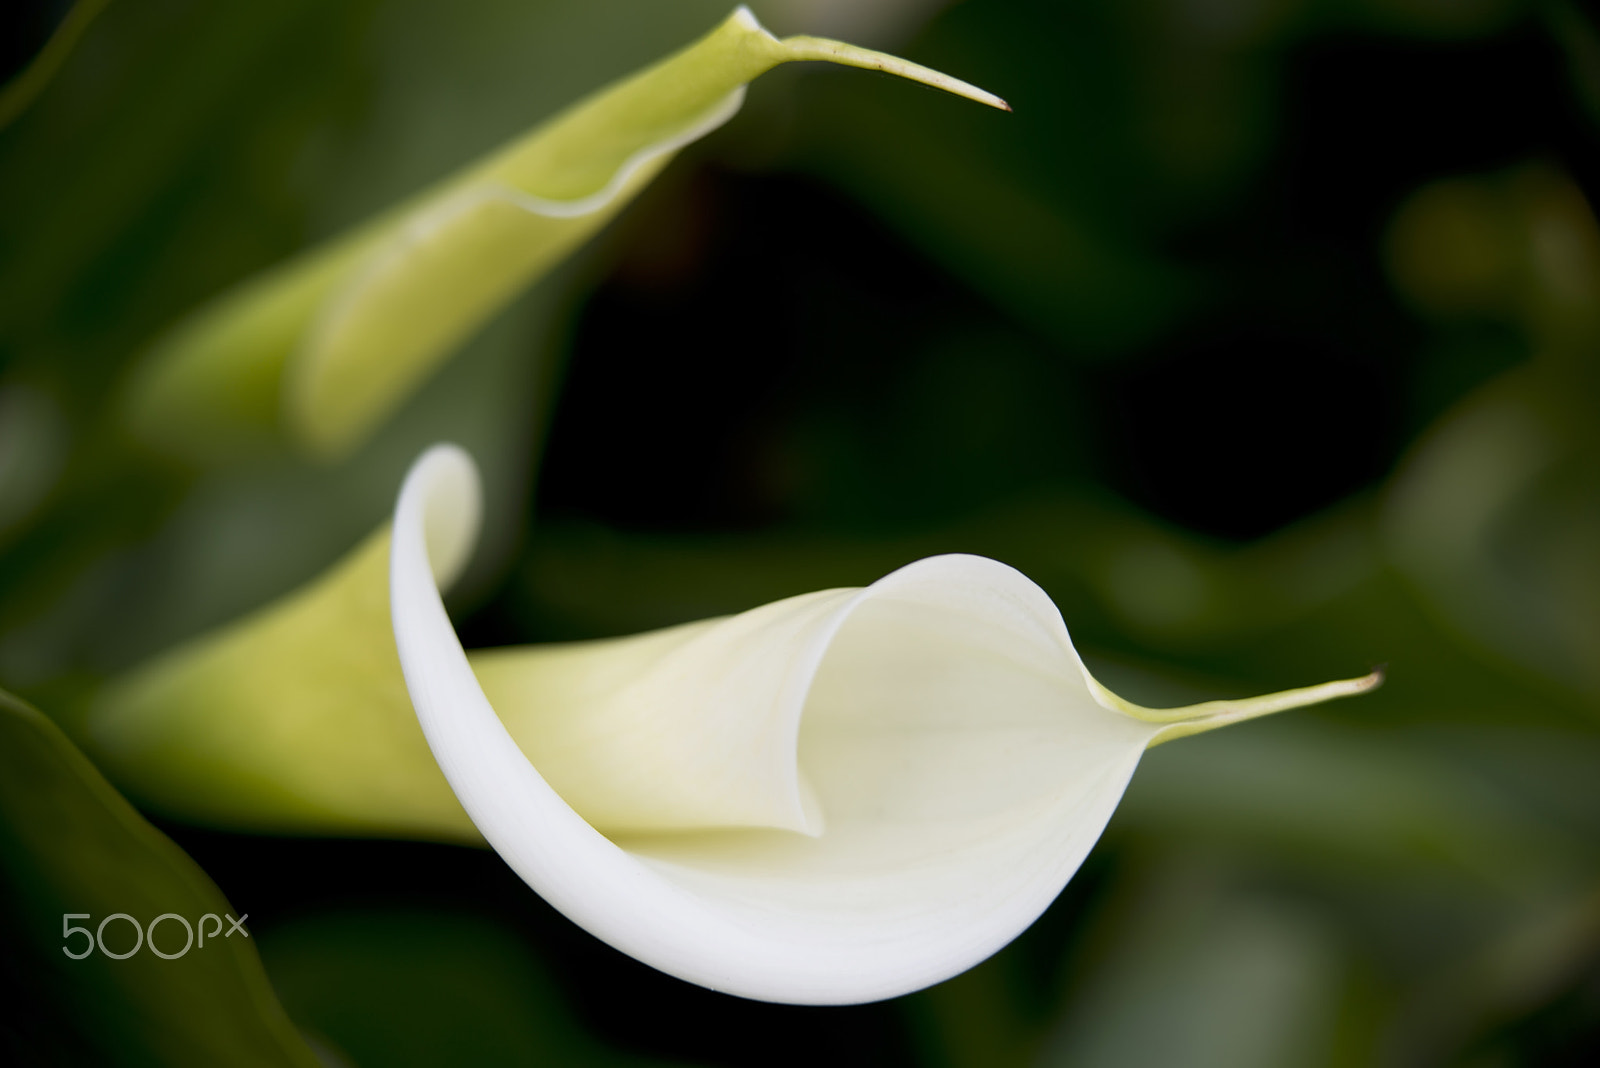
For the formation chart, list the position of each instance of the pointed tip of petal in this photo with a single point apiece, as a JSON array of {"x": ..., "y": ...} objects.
[
  {"x": 830, "y": 51},
  {"x": 1197, "y": 719}
]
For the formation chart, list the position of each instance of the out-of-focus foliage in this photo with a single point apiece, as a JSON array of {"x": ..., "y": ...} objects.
[
  {"x": 425, "y": 988},
  {"x": 69, "y": 843},
  {"x": 1495, "y": 516},
  {"x": 1262, "y": 336}
]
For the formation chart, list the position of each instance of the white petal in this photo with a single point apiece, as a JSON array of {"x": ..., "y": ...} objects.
[
  {"x": 961, "y": 758},
  {"x": 690, "y": 728}
]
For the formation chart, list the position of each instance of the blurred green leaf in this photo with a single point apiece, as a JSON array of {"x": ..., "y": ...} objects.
[
  {"x": 25, "y": 85},
  {"x": 1018, "y": 212},
  {"x": 146, "y": 168},
  {"x": 392, "y": 989},
  {"x": 1493, "y": 514},
  {"x": 1209, "y": 978},
  {"x": 1375, "y": 807},
  {"x": 70, "y": 844}
]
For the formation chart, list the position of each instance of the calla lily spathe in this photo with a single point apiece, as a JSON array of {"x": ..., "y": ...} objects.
[
  {"x": 836, "y": 798},
  {"x": 321, "y": 348}
]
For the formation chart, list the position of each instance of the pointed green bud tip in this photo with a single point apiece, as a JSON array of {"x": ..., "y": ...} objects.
[{"x": 1209, "y": 715}]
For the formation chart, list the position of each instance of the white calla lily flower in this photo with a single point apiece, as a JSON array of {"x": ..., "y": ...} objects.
[{"x": 836, "y": 798}]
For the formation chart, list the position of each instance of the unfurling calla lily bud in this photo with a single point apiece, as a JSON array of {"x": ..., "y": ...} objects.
[
  {"x": 836, "y": 798},
  {"x": 324, "y": 346}
]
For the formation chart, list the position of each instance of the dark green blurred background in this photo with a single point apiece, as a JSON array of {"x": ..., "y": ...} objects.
[{"x": 1265, "y": 335}]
